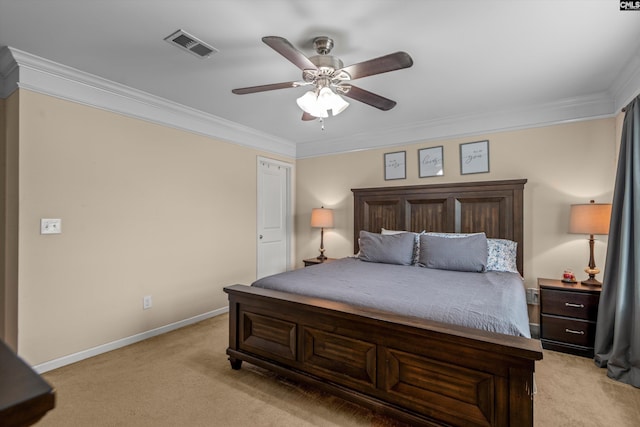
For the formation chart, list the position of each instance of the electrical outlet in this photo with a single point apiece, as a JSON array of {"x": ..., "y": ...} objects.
[
  {"x": 50, "y": 226},
  {"x": 535, "y": 330},
  {"x": 533, "y": 296},
  {"x": 147, "y": 302}
]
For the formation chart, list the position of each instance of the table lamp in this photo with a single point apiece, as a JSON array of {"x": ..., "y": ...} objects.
[
  {"x": 592, "y": 218},
  {"x": 321, "y": 218}
]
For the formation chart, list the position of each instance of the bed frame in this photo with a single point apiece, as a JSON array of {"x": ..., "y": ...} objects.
[{"x": 418, "y": 371}]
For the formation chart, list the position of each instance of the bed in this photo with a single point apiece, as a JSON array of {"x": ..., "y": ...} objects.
[{"x": 421, "y": 371}]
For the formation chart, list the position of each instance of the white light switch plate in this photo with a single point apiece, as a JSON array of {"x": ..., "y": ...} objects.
[
  {"x": 50, "y": 226},
  {"x": 147, "y": 302}
]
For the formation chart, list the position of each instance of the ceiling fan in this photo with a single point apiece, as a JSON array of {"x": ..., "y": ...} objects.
[{"x": 330, "y": 78}]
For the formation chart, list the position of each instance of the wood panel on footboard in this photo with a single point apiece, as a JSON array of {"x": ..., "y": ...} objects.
[{"x": 421, "y": 372}]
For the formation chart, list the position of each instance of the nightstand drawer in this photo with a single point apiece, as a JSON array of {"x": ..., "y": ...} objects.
[
  {"x": 569, "y": 304},
  {"x": 573, "y": 331}
]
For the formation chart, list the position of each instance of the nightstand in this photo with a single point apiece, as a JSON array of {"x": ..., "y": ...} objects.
[
  {"x": 568, "y": 314},
  {"x": 314, "y": 261}
]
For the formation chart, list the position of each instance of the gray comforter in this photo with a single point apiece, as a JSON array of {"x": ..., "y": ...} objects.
[{"x": 492, "y": 301}]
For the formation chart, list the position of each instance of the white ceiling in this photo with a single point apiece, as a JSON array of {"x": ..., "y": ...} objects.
[{"x": 479, "y": 65}]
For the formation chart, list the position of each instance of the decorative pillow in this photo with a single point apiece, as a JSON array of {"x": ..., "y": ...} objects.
[
  {"x": 388, "y": 249},
  {"x": 463, "y": 253},
  {"x": 416, "y": 248},
  {"x": 502, "y": 255}
]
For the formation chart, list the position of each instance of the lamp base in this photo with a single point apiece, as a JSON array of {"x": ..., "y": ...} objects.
[
  {"x": 592, "y": 271},
  {"x": 321, "y": 257},
  {"x": 592, "y": 281}
]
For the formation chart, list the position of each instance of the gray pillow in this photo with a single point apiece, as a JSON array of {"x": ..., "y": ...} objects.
[
  {"x": 388, "y": 249},
  {"x": 460, "y": 254}
]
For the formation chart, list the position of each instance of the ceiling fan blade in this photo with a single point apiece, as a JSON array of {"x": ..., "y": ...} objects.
[
  {"x": 369, "y": 98},
  {"x": 383, "y": 64},
  {"x": 286, "y": 49},
  {"x": 307, "y": 117},
  {"x": 264, "y": 88}
]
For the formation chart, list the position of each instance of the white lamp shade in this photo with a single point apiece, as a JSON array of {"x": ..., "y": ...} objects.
[
  {"x": 319, "y": 104},
  {"x": 322, "y": 218},
  {"x": 329, "y": 100},
  {"x": 591, "y": 218},
  {"x": 325, "y": 98},
  {"x": 309, "y": 104},
  {"x": 339, "y": 105}
]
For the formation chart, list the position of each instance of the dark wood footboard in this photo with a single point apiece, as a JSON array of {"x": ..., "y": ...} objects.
[{"x": 424, "y": 373}]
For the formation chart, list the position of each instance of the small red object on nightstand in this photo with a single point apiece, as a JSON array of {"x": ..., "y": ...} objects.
[{"x": 569, "y": 277}]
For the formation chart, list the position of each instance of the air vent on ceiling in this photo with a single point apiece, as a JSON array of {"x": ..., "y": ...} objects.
[{"x": 191, "y": 44}]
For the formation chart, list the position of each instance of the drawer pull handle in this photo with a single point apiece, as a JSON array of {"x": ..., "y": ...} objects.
[
  {"x": 570, "y": 304},
  {"x": 571, "y": 331}
]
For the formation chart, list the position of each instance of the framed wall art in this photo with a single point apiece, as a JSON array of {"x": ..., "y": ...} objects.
[
  {"x": 474, "y": 157},
  {"x": 430, "y": 162},
  {"x": 395, "y": 165}
]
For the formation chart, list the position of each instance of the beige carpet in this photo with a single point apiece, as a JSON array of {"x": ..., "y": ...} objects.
[{"x": 183, "y": 378}]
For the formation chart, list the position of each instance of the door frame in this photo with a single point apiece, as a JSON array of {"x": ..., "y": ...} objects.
[{"x": 289, "y": 207}]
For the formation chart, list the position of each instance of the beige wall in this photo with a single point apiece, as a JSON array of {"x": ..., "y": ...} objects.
[
  {"x": 150, "y": 210},
  {"x": 145, "y": 209},
  {"x": 564, "y": 164}
]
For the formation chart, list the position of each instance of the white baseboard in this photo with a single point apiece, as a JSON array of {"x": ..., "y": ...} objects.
[{"x": 85, "y": 354}]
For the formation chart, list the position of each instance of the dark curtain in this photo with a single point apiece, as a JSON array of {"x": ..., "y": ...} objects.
[{"x": 617, "y": 343}]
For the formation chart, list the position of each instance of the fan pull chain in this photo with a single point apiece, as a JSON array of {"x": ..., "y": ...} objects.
[{"x": 321, "y": 124}]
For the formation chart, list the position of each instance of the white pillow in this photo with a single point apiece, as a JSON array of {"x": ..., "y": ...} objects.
[{"x": 389, "y": 232}]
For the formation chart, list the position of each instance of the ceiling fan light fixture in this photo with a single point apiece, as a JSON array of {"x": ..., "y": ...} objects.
[
  {"x": 330, "y": 78},
  {"x": 325, "y": 98},
  {"x": 339, "y": 104},
  {"x": 318, "y": 103},
  {"x": 309, "y": 104},
  {"x": 329, "y": 100}
]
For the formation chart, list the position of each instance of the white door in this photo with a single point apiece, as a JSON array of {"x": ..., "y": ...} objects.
[{"x": 274, "y": 218}]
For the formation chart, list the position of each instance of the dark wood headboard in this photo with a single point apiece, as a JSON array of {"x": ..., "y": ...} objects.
[{"x": 494, "y": 207}]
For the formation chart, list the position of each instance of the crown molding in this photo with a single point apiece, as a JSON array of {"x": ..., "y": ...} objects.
[
  {"x": 564, "y": 111},
  {"x": 24, "y": 70},
  {"x": 47, "y": 77},
  {"x": 627, "y": 85}
]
